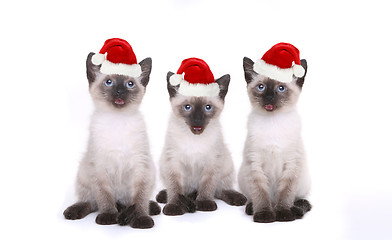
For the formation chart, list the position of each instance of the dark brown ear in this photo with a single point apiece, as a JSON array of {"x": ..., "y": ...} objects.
[
  {"x": 91, "y": 69},
  {"x": 146, "y": 65},
  {"x": 248, "y": 70},
  {"x": 223, "y": 83},
  {"x": 170, "y": 88},
  {"x": 300, "y": 81}
]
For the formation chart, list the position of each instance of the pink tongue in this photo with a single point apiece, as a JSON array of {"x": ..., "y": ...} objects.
[
  {"x": 269, "y": 107},
  {"x": 119, "y": 101}
]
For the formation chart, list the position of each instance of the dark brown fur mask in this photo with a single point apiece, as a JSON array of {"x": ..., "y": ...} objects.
[
  {"x": 198, "y": 112},
  {"x": 115, "y": 91},
  {"x": 270, "y": 95}
]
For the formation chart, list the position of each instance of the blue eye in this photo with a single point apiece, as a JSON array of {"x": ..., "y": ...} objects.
[
  {"x": 187, "y": 107},
  {"x": 208, "y": 108},
  {"x": 130, "y": 84},
  {"x": 109, "y": 83},
  {"x": 281, "y": 88},
  {"x": 261, "y": 87}
]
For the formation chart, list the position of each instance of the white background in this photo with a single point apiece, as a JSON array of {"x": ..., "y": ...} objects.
[{"x": 345, "y": 107}]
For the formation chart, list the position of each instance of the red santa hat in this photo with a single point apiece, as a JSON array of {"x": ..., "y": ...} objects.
[
  {"x": 280, "y": 63},
  {"x": 117, "y": 57},
  {"x": 195, "y": 79}
]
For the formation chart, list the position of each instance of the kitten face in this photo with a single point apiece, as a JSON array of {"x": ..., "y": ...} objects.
[
  {"x": 117, "y": 92},
  {"x": 270, "y": 95},
  {"x": 197, "y": 112}
]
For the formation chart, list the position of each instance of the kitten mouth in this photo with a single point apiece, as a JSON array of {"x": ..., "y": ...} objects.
[
  {"x": 119, "y": 101},
  {"x": 269, "y": 107},
  {"x": 197, "y": 130}
]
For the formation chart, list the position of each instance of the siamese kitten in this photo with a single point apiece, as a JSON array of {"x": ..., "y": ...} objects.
[
  {"x": 116, "y": 175},
  {"x": 274, "y": 175},
  {"x": 196, "y": 165}
]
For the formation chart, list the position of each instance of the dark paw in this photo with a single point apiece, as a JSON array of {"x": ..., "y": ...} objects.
[
  {"x": 106, "y": 218},
  {"x": 297, "y": 211},
  {"x": 233, "y": 198},
  {"x": 153, "y": 208},
  {"x": 249, "y": 208},
  {"x": 142, "y": 222},
  {"x": 304, "y": 204},
  {"x": 120, "y": 207},
  {"x": 125, "y": 217},
  {"x": 172, "y": 209},
  {"x": 77, "y": 211},
  {"x": 265, "y": 216},
  {"x": 162, "y": 196},
  {"x": 206, "y": 205},
  {"x": 285, "y": 215},
  {"x": 187, "y": 203},
  {"x": 192, "y": 195}
]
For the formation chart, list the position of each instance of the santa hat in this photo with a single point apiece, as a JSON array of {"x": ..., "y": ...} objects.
[
  {"x": 195, "y": 78},
  {"x": 280, "y": 63},
  {"x": 119, "y": 58}
]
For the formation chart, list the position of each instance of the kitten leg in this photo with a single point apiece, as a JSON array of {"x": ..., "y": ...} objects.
[
  {"x": 286, "y": 193},
  {"x": 261, "y": 203},
  {"x": 207, "y": 188},
  {"x": 301, "y": 206},
  {"x": 105, "y": 201},
  {"x": 78, "y": 210}
]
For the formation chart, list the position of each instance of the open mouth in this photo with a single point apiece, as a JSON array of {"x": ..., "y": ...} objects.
[
  {"x": 197, "y": 130},
  {"x": 269, "y": 107},
  {"x": 119, "y": 102}
]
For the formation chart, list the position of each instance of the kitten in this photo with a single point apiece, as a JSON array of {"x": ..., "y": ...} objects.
[
  {"x": 274, "y": 175},
  {"x": 116, "y": 175},
  {"x": 196, "y": 165}
]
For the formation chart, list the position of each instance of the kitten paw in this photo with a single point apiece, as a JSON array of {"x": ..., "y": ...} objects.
[
  {"x": 249, "y": 208},
  {"x": 206, "y": 205},
  {"x": 77, "y": 211},
  {"x": 233, "y": 198},
  {"x": 154, "y": 208},
  {"x": 304, "y": 204},
  {"x": 265, "y": 216},
  {"x": 106, "y": 218},
  {"x": 125, "y": 216},
  {"x": 161, "y": 197},
  {"x": 172, "y": 209},
  {"x": 142, "y": 222},
  {"x": 285, "y": 215}
]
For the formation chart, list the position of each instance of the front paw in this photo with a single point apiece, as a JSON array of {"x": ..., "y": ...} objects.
[
  {"x": 206, "y": 205},
  {"x": 285, "y": 215},
  {"x": 264, "y": 216},
  {"x": 233, "y": 198},
  {"x": 173, "y": 209},
  {"x": 106, "y": 218},
  {"x": 142, "y": 222}
]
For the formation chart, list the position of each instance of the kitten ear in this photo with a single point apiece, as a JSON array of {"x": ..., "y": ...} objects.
[
  {"x": 146, "y": 65},
  {"x": 248, "y": 70},
  {"x": 91, "y": 69},
  {"x": 300, "y": 81},
  {"x": 223, "y": 83},
  {"x": 170, "y": 88}
]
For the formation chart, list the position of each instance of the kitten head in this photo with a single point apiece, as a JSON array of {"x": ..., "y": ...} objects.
[
  {"x": 117, "y": 91},
  {"x": 198, "y": 112},
  {"x": 270, "y": 95}
]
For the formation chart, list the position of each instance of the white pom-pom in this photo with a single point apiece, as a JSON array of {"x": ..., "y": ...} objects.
[
  {"x": 298, "y": 71},
  {"x": 175, "y": 79},
  {"x": 98, "y": 58}
]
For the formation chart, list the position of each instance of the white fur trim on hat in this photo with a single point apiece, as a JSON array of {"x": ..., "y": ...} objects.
[
  {"x": 98, "y": 58},
  {"x": 134, "y": 70},
  {"x": 274, "y": 72},
  {"x": 176, "y": 79},
  {"x": 198, "y": 90}
]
